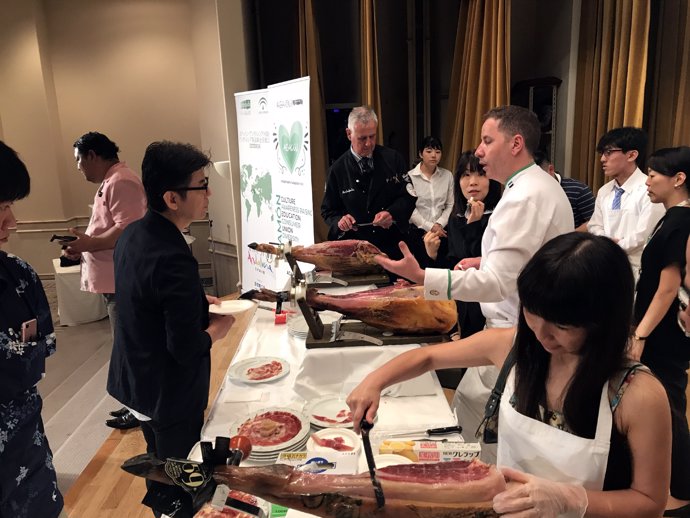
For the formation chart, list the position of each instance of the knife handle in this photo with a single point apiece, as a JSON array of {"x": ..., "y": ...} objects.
[{"x": 444, "y": 431}]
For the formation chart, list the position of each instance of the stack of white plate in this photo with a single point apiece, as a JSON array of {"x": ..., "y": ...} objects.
[
  {"x": 267, "y": 454},
  {"x": 329, "y": 412},
  {"x": 298, "y": 328}
]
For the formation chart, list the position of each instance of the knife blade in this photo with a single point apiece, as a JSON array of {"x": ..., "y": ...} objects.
[
  {"x": 365, "y": 427},
  {"x": 429, "y": 431}
]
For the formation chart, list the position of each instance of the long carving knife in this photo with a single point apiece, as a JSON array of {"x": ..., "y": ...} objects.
[{"x": 365, "y": 426}]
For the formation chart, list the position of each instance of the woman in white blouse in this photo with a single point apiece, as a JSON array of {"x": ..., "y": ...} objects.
[{"x": 433, "y": 187}]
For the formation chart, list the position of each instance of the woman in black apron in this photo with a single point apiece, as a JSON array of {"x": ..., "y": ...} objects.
[{"x": 28, "y": 483}]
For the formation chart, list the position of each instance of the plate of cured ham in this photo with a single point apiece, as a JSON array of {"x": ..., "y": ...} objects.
[
  {"x": 333, "y": 439},
  {"x": 259, "y": 369},
  {"x": 329, "y": 412},
  {"x": 273, "y": 430}
]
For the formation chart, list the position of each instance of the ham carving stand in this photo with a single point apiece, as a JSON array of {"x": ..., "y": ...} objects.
[{"x": 342, "y": 334}]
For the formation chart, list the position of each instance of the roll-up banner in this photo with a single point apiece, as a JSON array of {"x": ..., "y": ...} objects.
[{"x": 275, "y": 177}]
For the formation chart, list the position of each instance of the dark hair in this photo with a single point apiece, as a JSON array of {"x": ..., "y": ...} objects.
[
  {"x": 99, "y": 144},
  {"x": 467, "y": 161},
  {"x": 541, "y": 159},
  {"x": 579, "y": 280},
  {"x": 15, "y": 183},
  {"x": 430, "y": 141},
  {"x": 167, "y": 166},
  {"x": 516, "y": 120},
  {"x": 670, "y": 161},
  {"x": 628, "y": 139}
]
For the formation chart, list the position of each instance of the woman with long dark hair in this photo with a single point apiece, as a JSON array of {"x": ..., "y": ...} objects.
[
  {"x": 581, "y": 428},
  {"x": 659, "y": 341},
  {"x": 28, "y": 483}
]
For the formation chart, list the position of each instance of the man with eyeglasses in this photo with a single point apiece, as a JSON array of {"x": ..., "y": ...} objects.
[
  {"x": 622, "y": 210},
  {"x": 119, "y": 201},
  {"x": 161, "y": 365}
]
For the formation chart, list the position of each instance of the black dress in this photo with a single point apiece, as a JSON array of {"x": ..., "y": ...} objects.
[
  {"x": 667, "y": 349},
  {"x": 28, "y": 483}
]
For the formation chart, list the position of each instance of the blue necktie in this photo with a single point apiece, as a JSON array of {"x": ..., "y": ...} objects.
[{"x": 616, "y": 205}]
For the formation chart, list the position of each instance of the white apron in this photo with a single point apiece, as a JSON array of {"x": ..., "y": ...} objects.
[
  {"x": 545, "y": 451},
  {"x": 471, "y": 396}
]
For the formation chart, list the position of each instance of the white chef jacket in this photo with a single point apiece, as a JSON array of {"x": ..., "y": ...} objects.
[
  {"x": 533, "y": 210},
  {"x": 633, "y": 222},
  {"x": 434, "y": 197}
]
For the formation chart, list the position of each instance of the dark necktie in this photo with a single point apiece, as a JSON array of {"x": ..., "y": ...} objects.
[{"x": 366, "y": 165}]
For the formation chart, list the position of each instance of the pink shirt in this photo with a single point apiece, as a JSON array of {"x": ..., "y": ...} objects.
[{"x": 120, "y": 199}]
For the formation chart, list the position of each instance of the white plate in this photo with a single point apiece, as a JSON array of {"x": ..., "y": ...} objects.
[
  {"x": 328, "y": 407},
  {"x": 350, "y": 438},
  {"x": 273, "y": 448},
  {"x": 382, "y": 460},
  {"x": 238, "y": 371},
  {"x": 230, "y": 307}
]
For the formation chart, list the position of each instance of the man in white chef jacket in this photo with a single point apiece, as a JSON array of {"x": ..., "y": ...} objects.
[
  {"x": 622, "y": 210},
  {"x": 533, "y": 210}
]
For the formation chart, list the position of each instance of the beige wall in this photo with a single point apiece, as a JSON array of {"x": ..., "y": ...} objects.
[{"x": 136, "y": 70}]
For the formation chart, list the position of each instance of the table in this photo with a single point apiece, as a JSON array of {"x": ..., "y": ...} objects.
[
  {"x": 75, "y": 306},
  {"x": 305, "y": 379}
]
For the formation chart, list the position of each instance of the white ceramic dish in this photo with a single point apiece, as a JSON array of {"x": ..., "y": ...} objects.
[
  {"x": 273, "y": 449},
  {"x": 238, "y": 371},
  {"x": 350, "y": 439},
  {"x": 325, "y": 409},
  {"x": 382, "y": 460},
  {"x": 230, "y": 307}
]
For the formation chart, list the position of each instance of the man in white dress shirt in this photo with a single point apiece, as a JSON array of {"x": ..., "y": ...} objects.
[
  {"x": 533, "y": 210},
  {"x": 622, "y": 210}
]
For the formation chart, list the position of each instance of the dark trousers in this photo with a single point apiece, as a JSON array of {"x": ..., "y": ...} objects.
[
  {"x": 173, "y": 440},
  {"x": 673, "y": 376}
]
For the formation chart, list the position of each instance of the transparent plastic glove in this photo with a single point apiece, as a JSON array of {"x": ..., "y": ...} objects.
[{"x": 535, "y": 496}]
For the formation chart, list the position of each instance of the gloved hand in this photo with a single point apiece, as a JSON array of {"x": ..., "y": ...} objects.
[{"x": 535, "y": 496}]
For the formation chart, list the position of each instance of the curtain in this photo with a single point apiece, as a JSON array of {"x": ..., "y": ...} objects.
[
  {"x": 611, "y": 78},
  {"x": 370, "y": 86},
  {"x": 310, "y": 65},
  {"x": 480, "y": 77},
  {"x": 668, "y": 92}
]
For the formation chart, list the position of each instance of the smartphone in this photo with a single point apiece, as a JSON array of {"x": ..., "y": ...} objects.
[
  {"x": 29, "y": 330},
  {"x": 63, "y": 239}
]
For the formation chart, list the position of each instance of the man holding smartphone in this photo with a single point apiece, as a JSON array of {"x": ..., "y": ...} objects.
[{"x": 119, "y": 201}]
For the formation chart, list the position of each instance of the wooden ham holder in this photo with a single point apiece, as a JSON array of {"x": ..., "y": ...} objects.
[{"x": 341, "y": 334}]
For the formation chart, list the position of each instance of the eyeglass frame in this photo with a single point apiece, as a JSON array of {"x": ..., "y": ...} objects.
[
  {"x": 607, "y": 152},
  {"x": 199, "y": 188}
]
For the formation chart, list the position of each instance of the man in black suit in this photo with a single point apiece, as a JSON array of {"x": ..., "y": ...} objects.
[
  {"x": 160, "y": 367},
  {"x": 368, "y": 184}
]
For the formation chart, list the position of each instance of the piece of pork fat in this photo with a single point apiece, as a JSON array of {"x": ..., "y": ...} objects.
[
  {"x": 350, "y": 256},
  {"x": 400, "y": 308},
  {"x": 455, "y": 489}
]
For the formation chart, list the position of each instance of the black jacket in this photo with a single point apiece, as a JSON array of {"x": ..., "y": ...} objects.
[
  {"x": 161, "y": 363},
  {"x": 348, "y": 192}
]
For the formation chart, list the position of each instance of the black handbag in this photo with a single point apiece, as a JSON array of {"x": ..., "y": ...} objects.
[{"x": 488, "y": 428}]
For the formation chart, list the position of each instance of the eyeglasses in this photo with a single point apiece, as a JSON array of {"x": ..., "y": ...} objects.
[
  {"x": 683, "y": 300},
  {"x": 608, "y": 152},
  {"x": 200, "y": 188}
]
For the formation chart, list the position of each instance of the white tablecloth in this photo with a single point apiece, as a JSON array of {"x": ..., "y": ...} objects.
[
  {"x": 75, "y": 306},
  {"x": 321, "y": 372}
]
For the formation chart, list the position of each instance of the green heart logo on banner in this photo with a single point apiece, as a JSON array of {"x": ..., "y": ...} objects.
[{"x": 290, "y": 144}]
